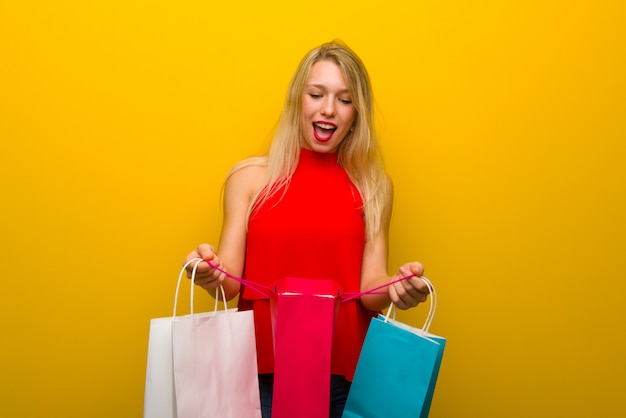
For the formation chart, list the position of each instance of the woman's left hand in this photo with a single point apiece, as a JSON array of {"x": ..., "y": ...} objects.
[{"x": 409, "y": 293}]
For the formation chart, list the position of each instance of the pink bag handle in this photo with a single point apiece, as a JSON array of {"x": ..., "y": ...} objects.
[
  {"x": 266, "y": 291},
  {"x": 257, "y": 287},
  {"x": 375, "y": 291}
]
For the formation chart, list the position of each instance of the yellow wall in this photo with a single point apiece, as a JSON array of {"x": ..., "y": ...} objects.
[{"x": 503, "y": 127}]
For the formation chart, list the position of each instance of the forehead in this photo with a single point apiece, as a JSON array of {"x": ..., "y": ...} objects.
[{"x": 327, "y": 74}]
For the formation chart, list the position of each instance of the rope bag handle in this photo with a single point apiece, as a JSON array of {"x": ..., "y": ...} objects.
[
  {"x": 267, "y": 291},
  {"x": 193, "y": 277},
  {"x": 431, "y": 310}
]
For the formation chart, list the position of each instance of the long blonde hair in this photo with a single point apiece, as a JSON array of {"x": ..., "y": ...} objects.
[{"x": 358, "y": 153}]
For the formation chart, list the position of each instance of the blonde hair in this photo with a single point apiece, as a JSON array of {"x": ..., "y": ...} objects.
[{"x": 358, "y": 153}]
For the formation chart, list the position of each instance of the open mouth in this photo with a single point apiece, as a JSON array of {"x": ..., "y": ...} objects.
[{"x": 323, "y": 131}]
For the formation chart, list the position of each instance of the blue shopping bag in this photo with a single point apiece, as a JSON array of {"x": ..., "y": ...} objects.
[{"x": 397, "y": 369}]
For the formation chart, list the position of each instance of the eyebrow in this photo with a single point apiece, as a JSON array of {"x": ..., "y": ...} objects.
[{"x": 323, "y": 87}]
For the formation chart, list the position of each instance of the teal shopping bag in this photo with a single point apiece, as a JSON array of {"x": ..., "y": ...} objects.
[{"x": 397, "y": 370}]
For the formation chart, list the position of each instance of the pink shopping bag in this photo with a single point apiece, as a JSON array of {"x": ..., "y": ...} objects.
[{"x": 303, "y": 318}]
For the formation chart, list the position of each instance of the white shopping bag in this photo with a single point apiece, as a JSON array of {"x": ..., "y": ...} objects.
[
  {"x": 204, "y": 365},
  {"x": 159, "y": 401}
]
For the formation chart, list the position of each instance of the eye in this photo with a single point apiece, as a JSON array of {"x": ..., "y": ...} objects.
[
  {"x": 345, "y": 101},
  {"x": 315, "y": 95}
]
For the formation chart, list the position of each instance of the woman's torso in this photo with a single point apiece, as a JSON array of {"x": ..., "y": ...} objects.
[{"x": 313, "y": 229}]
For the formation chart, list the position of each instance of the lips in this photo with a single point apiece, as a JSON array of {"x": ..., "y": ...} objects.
[{"x": 323, "y": 131}]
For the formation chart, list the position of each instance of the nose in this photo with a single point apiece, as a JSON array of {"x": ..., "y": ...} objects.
[{"x": 328, "y": 107}]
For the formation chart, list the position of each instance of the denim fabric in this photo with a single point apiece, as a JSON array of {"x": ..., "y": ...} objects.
[
  {"x": 266, "y": 386},
  {"x": 339, "y": 388}
]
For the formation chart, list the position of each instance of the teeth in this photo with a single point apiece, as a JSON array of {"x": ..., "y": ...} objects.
[{"x": 325, "y": 126}]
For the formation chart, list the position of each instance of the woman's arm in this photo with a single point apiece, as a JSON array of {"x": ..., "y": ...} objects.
[
  {"x": 405, "y": 294},
  {"x": 238, "y": 192}
]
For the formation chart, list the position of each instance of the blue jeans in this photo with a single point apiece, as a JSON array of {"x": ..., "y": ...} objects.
[{"x": 339, "y": 388}]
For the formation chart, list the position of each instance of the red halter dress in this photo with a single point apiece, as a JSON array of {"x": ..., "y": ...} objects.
[{"x": 314, "y": 229}]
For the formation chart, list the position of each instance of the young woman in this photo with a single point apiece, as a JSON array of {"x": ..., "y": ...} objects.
[{"x": 318, "y": 205}]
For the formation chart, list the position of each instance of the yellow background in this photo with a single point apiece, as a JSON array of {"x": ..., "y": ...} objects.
[{"x": 503, "y": 126}]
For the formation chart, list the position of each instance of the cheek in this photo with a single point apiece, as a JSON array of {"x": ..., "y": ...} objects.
[
  {"x": 307, "y": 105},
  {"x": 350, "y": 117},
  {"x": 305, "y": 117},
  {"x": 307, "y": 113}
]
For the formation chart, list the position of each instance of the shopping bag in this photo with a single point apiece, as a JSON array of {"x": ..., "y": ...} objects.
[
  {"x": 211, "y": 370},
  {"x": 159, "y": 395},
  {"x": 397, "y": 369},
  {"x": 159, "y": 401},
  {"x": 303, "y": 318}
]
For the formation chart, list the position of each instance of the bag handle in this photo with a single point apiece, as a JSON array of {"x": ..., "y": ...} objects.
[
  {"x": 193, "y": 277},
  {"x": 433, "y": 305},
  {"x": 257, "y": 287},
  {"x": 431, "y": 310},
  {"x": 374, "y": 291}
]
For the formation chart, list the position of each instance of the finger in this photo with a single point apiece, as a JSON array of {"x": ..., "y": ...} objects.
[
  {"x": 211, "y": 280},
  {"x": 404, "y": 299},
  {"x": 197, "y": 268},
  {"x": 412, "y": 284},
  {"x": 204, "y": 277},
  {"x": 206, "y": 251},
  {"x": 418, "y": 284},
  {"x": 208, "y": 284},
  {"x": 214, "y": 264},
  {"x": 189, "y": 266},
  {"x": 407, "y": 295},
  {"x": 411, "y": 269},
  {"x": 416, "y": 268},
  {"x": 395, "y": 298}
]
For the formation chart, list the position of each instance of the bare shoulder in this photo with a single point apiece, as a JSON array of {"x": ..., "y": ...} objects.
[
  {"x": 388, "y": 183},
  {"x": 388, "y": 194},
  {"x": 248, "y": 176}
]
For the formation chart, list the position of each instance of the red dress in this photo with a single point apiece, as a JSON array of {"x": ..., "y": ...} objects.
[{"x": 315, "y": 229}]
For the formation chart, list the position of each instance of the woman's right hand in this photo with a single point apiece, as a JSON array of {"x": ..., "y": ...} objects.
[{"x": 206, "y": 276}]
